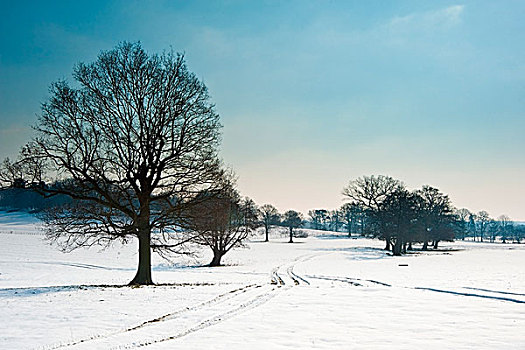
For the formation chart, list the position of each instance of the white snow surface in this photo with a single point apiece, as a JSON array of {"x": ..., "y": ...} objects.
[{"x": 324, "y": 292}]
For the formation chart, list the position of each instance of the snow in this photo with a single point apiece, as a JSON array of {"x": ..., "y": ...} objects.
[{"x": 324, "y": 292}]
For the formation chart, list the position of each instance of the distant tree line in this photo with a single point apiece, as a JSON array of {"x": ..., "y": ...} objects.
[
  {"x": 16, "y": 199},
  {"x": 21, "y": 196},
  {"x": 382, "y": 207},
  {"x": 481, "y": 227}
]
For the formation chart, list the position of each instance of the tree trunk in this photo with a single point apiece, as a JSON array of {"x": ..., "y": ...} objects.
[
  {"x": 425, "y": 245},
  {"x": 436, "y": 242},
  {"x": 404, "y": 247},
  {"x": 409, "y": 246},
  {"x": 291, "y": 236},
  {"x": 143, "y": 275},
  {"x": 387, "y": 246},
  {"x": 217, "y": 256},
  {"x": 396, "y": 247},
  {"x": 266, "y": 232}
]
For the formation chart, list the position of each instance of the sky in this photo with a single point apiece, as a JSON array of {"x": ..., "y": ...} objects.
[{"x": 312, "y": 94}]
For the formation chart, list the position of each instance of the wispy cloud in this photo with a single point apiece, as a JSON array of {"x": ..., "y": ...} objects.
[{"x": 441, "y": 18}]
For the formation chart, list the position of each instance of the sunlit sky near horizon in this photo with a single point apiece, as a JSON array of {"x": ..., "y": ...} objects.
[{"x": 312, "y": 94}]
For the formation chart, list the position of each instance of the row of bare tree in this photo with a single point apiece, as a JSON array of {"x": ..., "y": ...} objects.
[
  {"x": 481, "y": 227},
  {"x": 380, "y": 206},
  {"x": 402, "y": 217},
  {"x": 352, "y": 218}
]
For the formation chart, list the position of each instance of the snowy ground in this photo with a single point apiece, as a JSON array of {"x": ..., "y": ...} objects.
[{"x": 324, "y": 292}]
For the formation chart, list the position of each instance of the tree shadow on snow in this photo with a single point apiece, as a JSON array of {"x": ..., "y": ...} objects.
[
  {"x": 359, "y": 253},
  {"x": 36, "y": 291},
  {"x": 335, "y": 236},
  {"x": 471, "y": 295}
]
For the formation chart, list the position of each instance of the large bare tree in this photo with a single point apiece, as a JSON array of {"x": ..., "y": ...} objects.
[{"x": 132, "y": 142}]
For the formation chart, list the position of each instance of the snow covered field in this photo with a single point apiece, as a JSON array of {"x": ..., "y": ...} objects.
[{"x": 324, "y": 292}]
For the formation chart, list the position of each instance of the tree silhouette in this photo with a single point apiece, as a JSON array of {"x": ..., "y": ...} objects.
[
  {"x": 132, "y": 142},
  {"x": 293, "y": 220},
  {"x": 269, "y": 216},
  {"x": 222, "y": 220}
]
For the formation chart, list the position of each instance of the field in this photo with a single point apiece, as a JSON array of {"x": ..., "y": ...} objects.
[{"x": 324, "y": 292}]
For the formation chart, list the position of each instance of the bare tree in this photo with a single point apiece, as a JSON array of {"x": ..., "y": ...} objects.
[
  {"x": 472, "y": 225},
  {"x": 319, "y": 218},
  {"x": 352, "y": 215},
  {"x": 293, "y": 220},
  {"x": 132, "y": 142},
  {"x": 335, "y": 218},
  {"x": 12, "y": 174},
  {"x": 314, "y": 219},
  {"x": 26, "y": 172},
  {"x": 505, "y": 227},
  {"x": 398, "y": 215},
  {"x": 369, "y": 192},
  {"x": 269, "y": 216},
  {"x": 463, "y": 216},
  {"x": 483, "y": 220},
  {"x": 436, "y": 215},
  {"x": 519, "y": 232},
  {"x": 493, "y": 229},
  {"x": 222, "y": 220}
]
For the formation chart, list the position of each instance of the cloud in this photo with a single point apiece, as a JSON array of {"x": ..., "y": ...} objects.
[{"x": 438, "y": 19}]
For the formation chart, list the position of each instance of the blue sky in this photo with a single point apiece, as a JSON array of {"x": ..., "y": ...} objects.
[{"x": 313, "y": 93}]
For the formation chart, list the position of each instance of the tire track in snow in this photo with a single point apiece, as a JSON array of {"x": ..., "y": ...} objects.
[
  {"x": 216, "y": 300},
  {"x": 288, "y": 268},
  {"x": 295, "y": 277},
  {"x": 211, "y": 321},
  {"x": 336, "y": 279},
  {"x": 471, "y": 295},
  {"x": 275, "y": 278},
  {"x": 240, "y": 302},
  {"x": 212, "y": 301},
  {"x": 79, "y": 265},
  {"x": 494, "y": 291},
  {"x": 276, "y": 281},
  {"x": 350, "y": 280}
]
